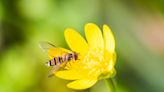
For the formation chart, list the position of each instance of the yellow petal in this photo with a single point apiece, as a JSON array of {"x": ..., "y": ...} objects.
[
  {"x": 94, "y": 36},
  {"x": 82, "y": 84},
  {"x": 75, "y": 41},
  {"x": 68, "y": 74},
  {"x": 109, "y": 40}
]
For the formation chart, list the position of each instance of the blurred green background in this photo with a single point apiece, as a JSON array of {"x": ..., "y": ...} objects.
[{"x": 138, "y": 26}]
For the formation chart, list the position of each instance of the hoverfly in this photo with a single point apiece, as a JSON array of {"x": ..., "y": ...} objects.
[{"x": 58, "y": 57}]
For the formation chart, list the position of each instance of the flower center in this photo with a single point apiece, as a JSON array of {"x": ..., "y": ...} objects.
[
  {"x": 95, "y": 62},
  {"x": 93, "y": 58}
]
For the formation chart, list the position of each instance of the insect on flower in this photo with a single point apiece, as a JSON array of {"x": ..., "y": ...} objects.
[
  {"x": 94, "y": 57},
  {"x": 58, "y": 57}
]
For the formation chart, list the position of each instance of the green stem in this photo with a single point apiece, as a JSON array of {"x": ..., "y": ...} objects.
[{"x": 110, "y": 85}]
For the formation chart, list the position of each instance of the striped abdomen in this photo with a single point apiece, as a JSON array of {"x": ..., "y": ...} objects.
[{"x": 61, "y": 59}]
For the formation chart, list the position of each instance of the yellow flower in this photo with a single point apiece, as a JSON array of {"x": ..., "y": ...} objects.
[{"x": 96, "y": 56}]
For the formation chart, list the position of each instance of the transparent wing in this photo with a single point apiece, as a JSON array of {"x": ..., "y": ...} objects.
[
  {"x": 52, "y": 50},
  {"x": 55, "y": 68},
  {"x": 46, "y": 45}
]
